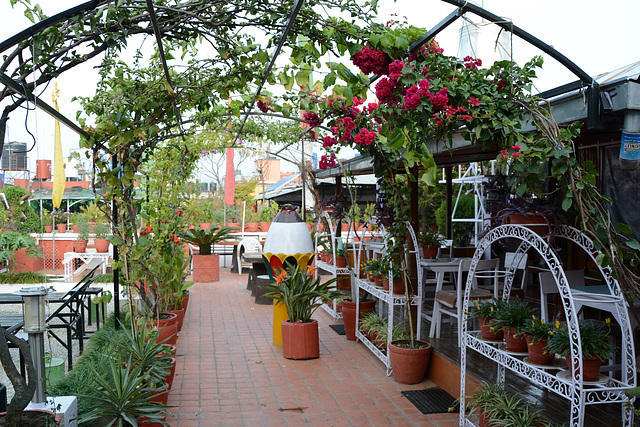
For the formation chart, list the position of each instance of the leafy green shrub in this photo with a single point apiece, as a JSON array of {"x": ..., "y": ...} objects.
[
  {"x": 462, "y": 232},
  {"x": 22, "y": 277},
  {"x": 32, "y": 222}
]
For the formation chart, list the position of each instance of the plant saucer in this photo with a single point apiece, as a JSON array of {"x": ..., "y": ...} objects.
[
  {"x": 566, "y": 376},
  {"x": 556, "y": 363}
]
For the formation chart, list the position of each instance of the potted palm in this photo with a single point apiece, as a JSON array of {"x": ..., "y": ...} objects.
[
  {"x": 101, "y": 231},
  {"x": 595, "y": 348},
  {"x": 206, "y": 265},
  {"x": 301, "y": 296},
  {"x": 512, "y": 318}
]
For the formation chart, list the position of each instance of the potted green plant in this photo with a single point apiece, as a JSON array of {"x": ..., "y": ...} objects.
[
  {"x": 14, "y": 244},
  {"x": 537, "y": 333},
  {"x": 47, "y": 221},
  {"x": 431, "y": 241},
  {"x": 391, "y": 271},
  {"x": 206, "y": 265},
  {"x": 60, "y": 218},
  {"x": 512, "y": 318},
  {"x": 497, "y": 407},
  {"x": 80, "y": 245},
  {"x": 267, "y": 214},
  {"x": 302, "y": 295},
  {"x": 251, "y": 220},
  {"x": 374, "y": 269},
  {"x": 485, "y": 310},
  {"x": 595, "y": 347},
  {"x": 101, "y": 232}
]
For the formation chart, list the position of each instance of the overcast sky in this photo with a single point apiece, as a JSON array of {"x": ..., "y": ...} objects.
[{"x": 596, "y": 36}]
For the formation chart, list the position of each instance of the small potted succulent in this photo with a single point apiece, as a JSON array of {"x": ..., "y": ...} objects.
[
  {"x": 537, "y": 333},
  {"x": 595, "y": 347},
  {"x": 512, "y": 318}
]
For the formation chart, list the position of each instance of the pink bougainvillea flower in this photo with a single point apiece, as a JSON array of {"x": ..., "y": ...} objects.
[
  {"x": 516, "y": 147},
  {"x": 329, "y": 141},
  {"x": 203, "y": 153},
  {"x": 384, "y": 89},
  {"x": 179, "y": 212},
  {"x": 365, "y": 137},
  {"x": 372, "y": 61},
  {"x": 439, "y": 99},
  {"x": 312, "y": 118},
  {"x": 372, "y": 106},
  {"x": 474, "y": 101},
  {"x": 395, "y": 68}
]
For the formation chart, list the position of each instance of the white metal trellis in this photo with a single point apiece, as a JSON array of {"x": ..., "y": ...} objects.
[{"x": 611, "y": 390}]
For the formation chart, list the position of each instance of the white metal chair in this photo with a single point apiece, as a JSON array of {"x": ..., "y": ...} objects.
[
  {"x": 548, "y": 287},
  {"x": 449, "y": 302},
  {"x": 247, "y": 245}
]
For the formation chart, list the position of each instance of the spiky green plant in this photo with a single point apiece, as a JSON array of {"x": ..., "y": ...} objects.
[{"x": 205, "y": 238}]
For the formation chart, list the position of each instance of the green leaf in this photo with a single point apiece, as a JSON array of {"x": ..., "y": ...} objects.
[
  {"x": 567, "y": 202},
  {"x": 633, "y": 244},
  {"x": 624, "y": 228}
]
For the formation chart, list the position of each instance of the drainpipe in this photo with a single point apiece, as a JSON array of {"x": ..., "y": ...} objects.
[{"x": 630, "y": 144}]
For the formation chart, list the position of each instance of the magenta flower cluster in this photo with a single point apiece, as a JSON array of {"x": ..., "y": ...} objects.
[
  {"x": 372, "y": 61},
  {"x": 312, "y": 119},
  {"x": 327, "y": 161}
]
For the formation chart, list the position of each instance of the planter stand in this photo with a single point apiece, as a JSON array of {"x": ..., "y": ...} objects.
[
  {"x": 66, "y": 407},
  {"x": 578, "y": 392}
]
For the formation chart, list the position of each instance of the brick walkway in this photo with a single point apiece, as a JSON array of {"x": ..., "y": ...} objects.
[{"x": 231, "y": 375}]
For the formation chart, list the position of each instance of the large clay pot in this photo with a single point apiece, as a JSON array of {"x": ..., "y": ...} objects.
[
  {"x": 205, "y": 225},
  {"x": 252, "y": 227},
  {"x": 234, "y": 225},
  {"x": 172, "y": 373},
  {"x": 300, "y": 340},
  {"x": 531, "y": 221},
  {"x": 180, "y": 317},
  {"x": 264, "y": 226},
  {"x": 101, "y": 245},
  {"x": 538, "y": 353},
  {"x": 349, "y": 315},
  {"x": 33, "y": 416},
  {"x": 167, "y": 325},
  {"x": 429, "y": 252},
  {"x": 487, "y": 333},
  {"x": 80, "y": 246},
  {"x": 185, "y": 303},
  {"x": 590, "y": 367},
  {"x": 398, "y": 286},
  {"x": 206, "y": 268},
  {"x": 409, "y": 365},
  {"x": 341, "y": 261},
  {"x": 516, "y": 342},
  {"x": 161, "y": 396}
]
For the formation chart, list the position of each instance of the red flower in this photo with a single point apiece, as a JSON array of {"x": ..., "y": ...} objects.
[
  {"x": 412, "y": 98},
  {"x": 384, "y": 89},
  {"x": 470, "y": 62},
  {"x": 329, "y": 141},
  {"x": 395, "y": 68},
  {"x": 179, "y": 212},
  {"x": 466, "y": 117},
  {"x": 312, "y": 118},
  {"x": 143, "y": 233},
  {"x": 440, "y": 99},
  {"x": 372, "y": 106},
  {"x": 474, "y": 101},
  {"x": 372, "y": 61},
  {"x": 148, "y": 228},
  {"x": 516, "y": 147},
  {"x": 327, "y": 162},
  {"x": 501, "y": 83},
  {"x": 365, "y": 137},
  {"x": 357, "y": 101},
  {"x": 264, "y": 107}
]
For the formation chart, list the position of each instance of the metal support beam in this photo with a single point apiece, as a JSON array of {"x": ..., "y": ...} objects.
[
  {"x": 22, "y": 91},
  {"x": 46, "y": 23}
]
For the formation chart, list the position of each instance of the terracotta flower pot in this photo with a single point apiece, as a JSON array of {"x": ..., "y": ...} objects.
[
  {"x": 101, "y": 245},
  {"x": 429, "y": 252},
  {"x": 80, "y": 246},
  {"x": 172, "y": 373},
  {"x": 300, "y": 340},
  {"x": 398, "y": 287},
  {"x": 377, "y": 280},
  {"x": 252, "y": 227},
  {"x": 180, "y": 317},
  {"x": 349, "y": 315},
  {"x": 185, "y": 303},
  {"x": 341, "y": 261},
  {"x": 206, "y": 268},
  {"x": 409, "y": 365},
  {"x": 161, "y": 396},
  {"x": 205, "y": 225},
  {"x": 531, "y": 221},
  {"x": 590, "y": 367},
  {"x": 538, "y": 352},
  {"x": 516, "y": 342},
  {"x": 62, "y": 228},
  {"x": 168, "y": 327},
  {"x": 485, "y": 330},
  {"x": 75, "y": 228},
  {"x": 48, "y": 228},
  {"x": 234, "y": 225},
  {"x": 264, "y": 226}
]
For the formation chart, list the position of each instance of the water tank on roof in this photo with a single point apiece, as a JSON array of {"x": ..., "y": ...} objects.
[{"x": 14, "y": 156}]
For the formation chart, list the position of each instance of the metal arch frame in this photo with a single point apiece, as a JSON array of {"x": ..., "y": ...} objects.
[{"x": 574, "y": 390}]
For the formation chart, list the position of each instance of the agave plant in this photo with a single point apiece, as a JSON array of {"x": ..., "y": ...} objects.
[{"x": 205, "y": 238}]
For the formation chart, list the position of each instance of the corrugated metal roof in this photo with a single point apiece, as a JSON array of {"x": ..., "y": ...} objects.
[
  {"x": 282, "y": 181},
  {"x": 628, "y": 72}
]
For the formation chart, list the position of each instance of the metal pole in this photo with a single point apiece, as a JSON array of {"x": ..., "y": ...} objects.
[
  {"x": 36, "y": 347},
  {"x": 116, "y": 278},
  {"x": 303, "y": 199}
]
